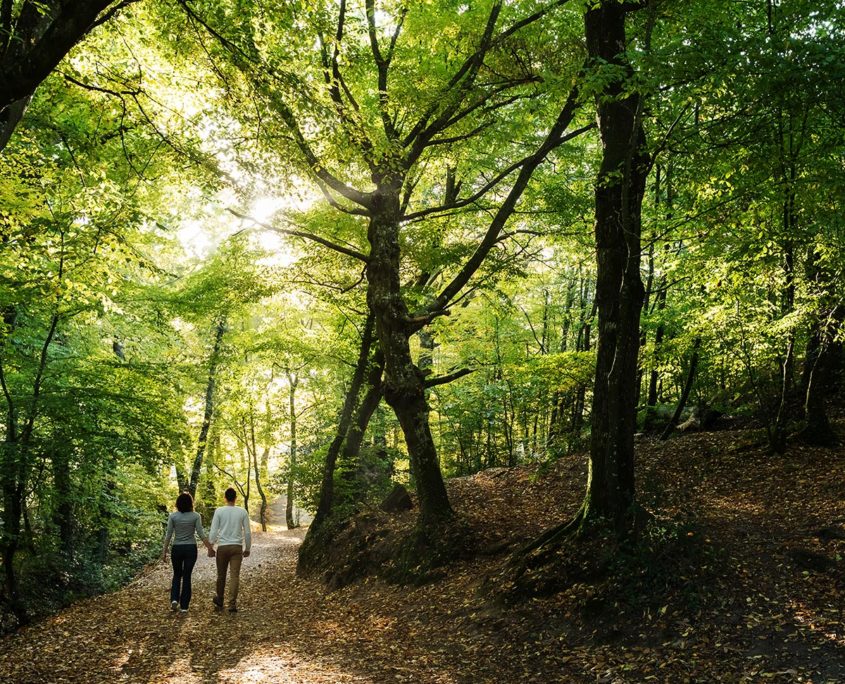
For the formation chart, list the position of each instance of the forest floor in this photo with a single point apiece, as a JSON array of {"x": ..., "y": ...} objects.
[{"x": 761, "y": 600}]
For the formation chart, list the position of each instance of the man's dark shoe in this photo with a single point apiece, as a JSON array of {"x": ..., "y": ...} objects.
[
  {"x": 218, "y": 602},
  {"x": 233, "y": 609}
]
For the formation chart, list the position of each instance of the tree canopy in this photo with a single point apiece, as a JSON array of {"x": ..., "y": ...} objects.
[{"x": 317, "y": 249}]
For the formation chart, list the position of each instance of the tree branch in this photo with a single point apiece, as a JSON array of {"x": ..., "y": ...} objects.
[
  {"x": 491, "y": 107},
  {"x": 314, "y": 163},
  {"x": 382, "y": 66},
  {"x": 247, "y": 65},
  {"x": 457, "y": 204},
  {"x": 103, "y": 18},
  {"x": 466, "y": 73},
  {"x": 232, "y": 477},
  {"x": 444, "y": 379},
  {"x": 99, "y": 89},
  {"x": 11, "y": 422},
  {"x": 355, "y": 254},
  {"x": 487, "y": 187},
  {"x": 555, "y": 138},
  {"x": 71, "y": 23},
  {"x": 465, "y": 136},
  {"x": 26, "y": 433},
  {"x": 338, "y": 88}
]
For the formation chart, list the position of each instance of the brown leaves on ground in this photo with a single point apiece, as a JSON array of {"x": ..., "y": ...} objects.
[{"x": 762, "y": 602}]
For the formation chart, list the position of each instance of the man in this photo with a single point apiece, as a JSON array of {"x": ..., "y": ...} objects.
[{"x": 230, "y": 527}]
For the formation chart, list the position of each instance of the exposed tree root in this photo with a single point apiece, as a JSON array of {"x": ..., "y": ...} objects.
[
  {"x": 371, "y": 545},
  {"x": 581, "y": 549},
  {"x": 822, "y": 436}
]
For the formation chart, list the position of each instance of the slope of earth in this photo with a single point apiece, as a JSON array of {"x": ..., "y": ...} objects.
[{"x": 760, "y": 601}]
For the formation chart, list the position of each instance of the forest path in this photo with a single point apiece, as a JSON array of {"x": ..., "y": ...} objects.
[
  {"x": 283, "y": 631},
  {"x": 745, "y": 604}
]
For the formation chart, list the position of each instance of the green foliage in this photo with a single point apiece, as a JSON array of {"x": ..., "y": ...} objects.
[{"x": 119, "y": 257}]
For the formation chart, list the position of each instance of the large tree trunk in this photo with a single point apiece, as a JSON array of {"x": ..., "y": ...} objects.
[
  {"x": 208, "y": 413},
  {"x": 404, "y": 386},
  {"x": 619, "y": 290}
]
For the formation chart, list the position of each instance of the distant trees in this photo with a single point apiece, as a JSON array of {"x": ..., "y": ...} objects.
[{"x": 748, "y": 223}]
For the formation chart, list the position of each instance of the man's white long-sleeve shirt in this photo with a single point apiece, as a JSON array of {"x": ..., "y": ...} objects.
[{"x": 230, "y": 525}]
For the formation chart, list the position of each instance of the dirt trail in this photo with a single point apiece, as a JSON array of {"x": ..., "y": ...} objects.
[
  {"x": 751, "y": 606},
  {"x": 287, "y": 630},
  {"x": 279, "y": 634}
]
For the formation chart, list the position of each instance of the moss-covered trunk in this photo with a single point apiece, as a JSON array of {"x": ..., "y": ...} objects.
[{"x": 404, "y": 387}]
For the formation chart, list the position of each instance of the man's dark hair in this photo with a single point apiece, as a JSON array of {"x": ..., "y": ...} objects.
[
  {"x": 230, "y": 494},
  {"x": 184, "y": 503}
]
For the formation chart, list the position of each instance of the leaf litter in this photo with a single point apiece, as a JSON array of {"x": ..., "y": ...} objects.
[{"x": 764, "y": 603}]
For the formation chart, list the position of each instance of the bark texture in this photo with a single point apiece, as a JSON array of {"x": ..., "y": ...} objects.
[
  {"x": 404, "y": 384},
  {"x": 619, "y": 290}
]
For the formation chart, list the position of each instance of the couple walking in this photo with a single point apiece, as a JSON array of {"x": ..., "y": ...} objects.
[{"x": 229, "y": 530}]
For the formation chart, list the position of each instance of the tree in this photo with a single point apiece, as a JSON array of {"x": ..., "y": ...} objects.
[
  {"x": 395, "y": 137},
  {"x": 34, "y": 38},
  {"x": 620, "y": 186}
]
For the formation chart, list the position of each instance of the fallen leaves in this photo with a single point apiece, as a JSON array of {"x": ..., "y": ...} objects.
[{"x": 748, "y": 614}]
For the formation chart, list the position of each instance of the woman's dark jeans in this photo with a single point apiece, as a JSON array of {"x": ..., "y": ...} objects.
[{"x": 183, "y": 557}]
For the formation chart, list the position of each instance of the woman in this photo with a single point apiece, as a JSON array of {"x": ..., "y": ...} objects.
[{"x": 181, "y": 526}]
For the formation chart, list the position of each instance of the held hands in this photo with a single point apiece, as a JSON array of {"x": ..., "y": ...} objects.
[
  {"x": 211, "y": 552},
  {"x": 246, "y": 554}
]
